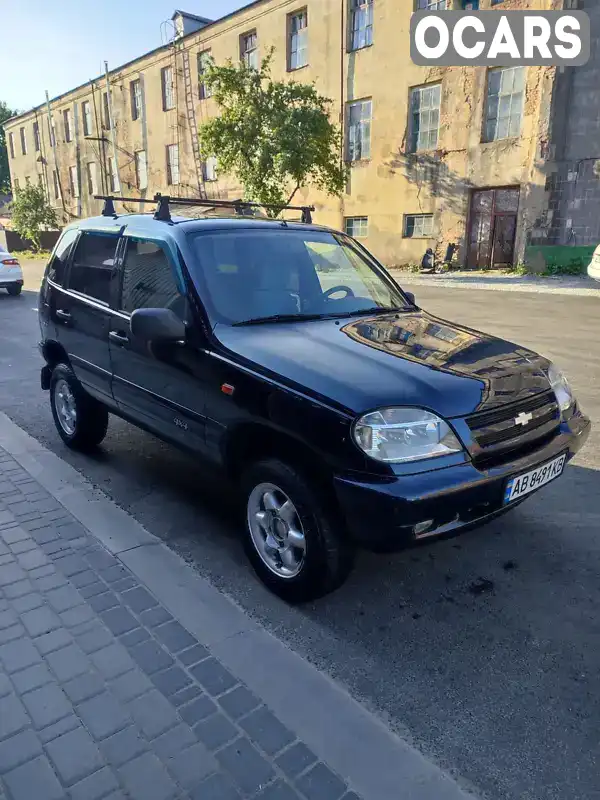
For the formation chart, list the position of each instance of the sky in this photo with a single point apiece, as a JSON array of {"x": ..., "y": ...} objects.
[{"x": 59, "y": 44}]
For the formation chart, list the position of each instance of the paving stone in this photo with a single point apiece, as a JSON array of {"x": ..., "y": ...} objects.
[
  {"x": 123, "y": 585},
  {"x": 145, "y": 778},
  {"x": 52, "y": 641},
  {"x": 24, "y": 546},
  {"x": 186, "y": 696},
  {"x": 123, "y": 746},
  {"x": 45, "y": 534},
  {"x": 249, "y": 770},
  {"x": 213, "y": 676},
  {"x": 11, "y": 573},
  {"x": 40, "y": 620},
  {"x": 153, "y": 713},
  {"x": 34, "y": 779},
  {"x": 50, "y": 582},
  {"x": 19, "y": 749},
  {"x": 8, "y": 618},
  {"x": 95, "y": 638},
  {"x": 13, "y": 717},
  {"x": 174, "y": 741},
  {"x": 98, "y": 558},
  {"x": 31, "y": 678},
  {"x": 134, "y": 637},
  {"x": 71, "y": 565},
  {"x": 103, "y": 716},
  {"x": 68, "y": 662},
  {"x": 139, "y": 599},
  {"x": 76, "y": 616},
  {"x": 296, "y": 759},
  {"x": 85, "y": 578},
  {"x": 114, "y": 573},
  {"x": 64, "y": 725},
  {"x": 5, "y": 685},
  {"x": 191, "y": 766},
  {"x": 27, "y": 602},
  {"x": 72, "y": 530},
  {"x": 193, "y": 655},
  {"x": 74, "y": 755},
  {"x": 174, "y": 636},
  {"x": 103, "y": 602},
  {"x": 9, "y": 634},
  {"x": 18, "y": 655},
  {"x": 92, "y": 589},
  {"x": 238, "y": 702},
  {"x": 155, "y": 616},
  {"x": 198, "y": 710},
  {"x": 83, "y": 687},
  {"x": 216, "y": 787},
  {"x": 171, "y": 681},
  {"x": 95, "y": 786},
  {"x": 320, "y": 783},
  {"x": 130, "y": 685},
  {"x": 119, "y": 620},
  {"x": 6, "y": 559},
  {"x": 32, "y": 559},
  {"x": 46, "y": 705},
  {"x": 63, "y": 598},
  {"x": 151, "y": 657},
  {"x": 112, "y": 661},
  {"x": 18, "y": 589},
  {"x": 41, "y": 572},
  {"x": 351, "y": 796},
  {"x": 278, "y": 791},
  {"x": 215, "y": 731},
  {"x": 266, "y": 730}
]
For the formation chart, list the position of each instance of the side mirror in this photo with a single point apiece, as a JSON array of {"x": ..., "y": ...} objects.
[
  {"x": 157, "y": 325},
  {"x": 410, "y": 296}
]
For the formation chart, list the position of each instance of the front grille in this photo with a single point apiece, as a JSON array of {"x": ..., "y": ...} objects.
[{"x": 497, "y": 436}]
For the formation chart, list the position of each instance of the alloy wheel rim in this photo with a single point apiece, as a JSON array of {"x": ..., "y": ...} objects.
[
  {"x": 276, "y": 530},
  {"x": 66, "y": 410}
]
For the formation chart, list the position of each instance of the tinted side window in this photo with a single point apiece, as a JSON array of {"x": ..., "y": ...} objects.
[
  {"x": 148, "y": 280},
  {"x": 58, "y": 262},
  {"x": 93, "y": 264}
]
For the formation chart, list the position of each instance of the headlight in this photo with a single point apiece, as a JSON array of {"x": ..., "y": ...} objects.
[
  {"x": 561, "y": 388},
  {"x": 404, "y": 434}
]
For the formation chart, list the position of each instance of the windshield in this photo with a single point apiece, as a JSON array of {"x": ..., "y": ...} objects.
[{"x": 252, "y": 276}]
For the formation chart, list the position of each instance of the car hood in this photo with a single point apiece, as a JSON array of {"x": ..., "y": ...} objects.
[{"x": 408, "y": 359}]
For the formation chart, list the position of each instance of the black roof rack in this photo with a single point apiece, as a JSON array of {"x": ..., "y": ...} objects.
[{"x": 163, "y": 212}]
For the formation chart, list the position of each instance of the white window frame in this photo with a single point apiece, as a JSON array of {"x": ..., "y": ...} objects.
[
  {"x": 209, "y": 169},
  {"x": 92, "y": 177},
  {"x": 113, "y": 177},
  {"x": 23, "y": 137},
  {"x": 141, "y": 169},
  {"x": 298, "y": 40},
  {"x": 86, "y": 116},
  {"x": 204, "y": 91},
  {"x": 422, "y": 228},
  {"x": 424, "y": 123},
  {"x": 167, "y": 81},
  {"x": 358, "y": 136},
  {"x": 360, "y": 24},
  {"x": 37, "y": 142},
  {"x": 504, "y": 108},
  {"x": 433, "y": 5},
  {"x": 135, "y": 94},
  {"x": 74, "y": 180},
  {"x": 173, "y": 173},
  {"x": 357, "y": 227},
  {"x": 11, "y": 144},
  {"x": 68, "y": 125},
  {"x": 56, "y": 184},
  {"x": 249, "y": 49}
]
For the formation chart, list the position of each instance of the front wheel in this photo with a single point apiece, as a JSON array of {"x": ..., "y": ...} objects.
[
  {"x": 81, "y": 420},
  {"x": 291, "y": 537}
]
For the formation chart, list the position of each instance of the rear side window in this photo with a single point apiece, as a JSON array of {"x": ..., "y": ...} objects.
[
  {"x": 93, "y": 264},
  {"x": 148, "y": 279},
  {"x": 60, "y": 257}
]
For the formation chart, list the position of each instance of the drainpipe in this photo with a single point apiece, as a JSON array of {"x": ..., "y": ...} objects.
[{"x": 113, "y": 138}]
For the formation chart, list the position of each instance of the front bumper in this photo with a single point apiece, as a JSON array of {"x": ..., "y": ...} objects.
[{"x": 382, "y": 512}]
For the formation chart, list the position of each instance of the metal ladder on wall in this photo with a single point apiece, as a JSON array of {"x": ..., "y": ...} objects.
[{"x": 192, "y": 123}]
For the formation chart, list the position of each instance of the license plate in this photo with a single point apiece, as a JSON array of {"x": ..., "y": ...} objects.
[{"x": 530, "y": 481}]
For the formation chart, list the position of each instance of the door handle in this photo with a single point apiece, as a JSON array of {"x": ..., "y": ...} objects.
[
  {"x": 63, "y": 316},
  {"x": 118, "y": 338}
]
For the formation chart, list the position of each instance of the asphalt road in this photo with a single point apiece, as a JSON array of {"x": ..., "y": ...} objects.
[{"x": 484, "y": 650}]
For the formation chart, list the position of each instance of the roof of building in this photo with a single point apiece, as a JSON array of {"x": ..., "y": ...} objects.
[
  {"x": 209, "y": 23},
  {"x": 206, "y": 20}
]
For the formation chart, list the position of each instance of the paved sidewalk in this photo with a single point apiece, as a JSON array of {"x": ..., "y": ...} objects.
[
  {"x": 104, "y": 693},
  {"x": 578, "y": 286}
]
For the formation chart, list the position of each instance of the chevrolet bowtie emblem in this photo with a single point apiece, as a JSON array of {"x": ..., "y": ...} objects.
[{"x": 523, "y": 419}]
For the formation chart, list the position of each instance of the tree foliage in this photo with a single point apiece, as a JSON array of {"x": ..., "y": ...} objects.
[
  {"x": 32, "y": 213},
  {"x": 276, "y": 137},
  {"x": 5, "y": 113}
]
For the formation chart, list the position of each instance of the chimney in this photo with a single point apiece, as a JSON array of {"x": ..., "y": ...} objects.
[{"x": 188, "y": 23}]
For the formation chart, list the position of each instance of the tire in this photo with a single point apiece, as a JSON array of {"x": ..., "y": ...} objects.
[
  {"x": 326, "y": 559},
  {"x": 89, "y": 422},
  {"x": 14, "y": 289}
]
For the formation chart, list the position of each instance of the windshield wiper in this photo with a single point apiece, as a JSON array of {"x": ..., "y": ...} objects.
[
  {"x": 375, "y": 310},
  {"x": 280, "y": 318}
]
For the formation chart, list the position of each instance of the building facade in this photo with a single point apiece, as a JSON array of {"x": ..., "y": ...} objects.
[{"x": 437, "y": 155}]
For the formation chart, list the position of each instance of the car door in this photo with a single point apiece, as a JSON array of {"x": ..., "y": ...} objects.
[
  {"x": 82, "y": 312},
  {"x": 160, "y": 386}
]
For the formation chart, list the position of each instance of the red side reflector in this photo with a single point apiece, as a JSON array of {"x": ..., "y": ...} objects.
[
  {"x": 228, "y": 389},
  {"x": 10, "y": 262}
]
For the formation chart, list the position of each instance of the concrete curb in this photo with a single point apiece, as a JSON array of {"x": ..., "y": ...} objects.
[
  {"x": 541, "y": 286},
  {"x": 375, "y": 761}
]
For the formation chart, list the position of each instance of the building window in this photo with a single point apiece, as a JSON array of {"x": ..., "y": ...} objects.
[
  {"x": 504, "y": 103},
  {"x": 249, "y": 49},
  {"x": 433, "y": 5},
  {"x": 86, "y": 115},
  {"x": 168, "y": 88},
  {"x": 210, "y": 169},
  {"x": 113, "y": 175},
  {"x": 73, "y": 181},
  {"x": 298, "y": 40},
  {"x": 361, "y": 24},
  {"x": 36, "y": 136},
  {"x": 418, "y": 226},
  {"x": 56, "y": 184},
  {"x": 204, "y": 60},
  {"x": 358, "y": 227},
  {"x": 424, "y": 117},
  {"x": 92, "y": 178},
  {"x": 16, "y": 184},
  {"x": 141, "y": 170},
  {"x": 11, "y": 145},
  {"x": 52, "y": 133},
  {"x": 359, "y": 130},
  {"x": 23, "y": 141},
  {"x": 172, "y": 164},
  {"x": 67, "y": 124},
  {"x": 135, "y": 91},
  {"x": 106, "y": 110}
]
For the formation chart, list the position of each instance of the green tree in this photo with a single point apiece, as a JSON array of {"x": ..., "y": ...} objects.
[
  {"x": 276, "y": 137},
  {"x": 31, "y": 213},
  {"x": 5, "y": 113}
]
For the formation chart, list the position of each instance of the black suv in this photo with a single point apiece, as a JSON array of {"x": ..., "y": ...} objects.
[{"x": 286, "y": 355}]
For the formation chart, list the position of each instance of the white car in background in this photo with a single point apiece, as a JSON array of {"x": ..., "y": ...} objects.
[
  {"x": 11, "y": 274},
  {"x": 594, "y": 266}
]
